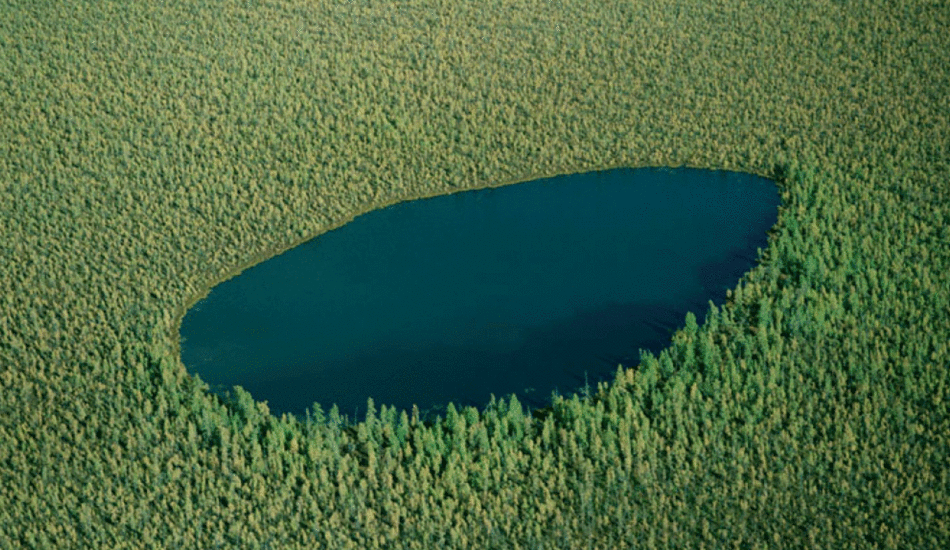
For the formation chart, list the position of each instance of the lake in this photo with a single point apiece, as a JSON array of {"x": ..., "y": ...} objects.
[{"x": 525, "y": 289}]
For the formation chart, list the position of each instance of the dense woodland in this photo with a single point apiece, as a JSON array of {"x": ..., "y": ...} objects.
[{"x": 149, "y": 150}]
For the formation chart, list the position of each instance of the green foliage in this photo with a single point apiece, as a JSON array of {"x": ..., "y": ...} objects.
[{"x": 150, "y": 150}]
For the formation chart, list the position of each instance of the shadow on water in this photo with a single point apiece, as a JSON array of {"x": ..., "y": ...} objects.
[
  {"x": 548, "y": 358},
  {"x": 722, "y": 273}
]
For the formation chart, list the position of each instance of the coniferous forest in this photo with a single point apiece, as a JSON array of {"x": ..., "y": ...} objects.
[{"x": 150, "y": 150}]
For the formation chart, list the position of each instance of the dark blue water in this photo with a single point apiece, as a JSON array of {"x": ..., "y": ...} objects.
[{"x": 519, "y": 289}]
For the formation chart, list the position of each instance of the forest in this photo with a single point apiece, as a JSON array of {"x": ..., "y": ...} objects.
[{"x": 151, "y": 150}]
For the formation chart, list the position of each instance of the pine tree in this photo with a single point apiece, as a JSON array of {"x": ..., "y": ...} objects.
[
  {"x": 515, "y": 413},
  {"x": 402, "y": 430}
]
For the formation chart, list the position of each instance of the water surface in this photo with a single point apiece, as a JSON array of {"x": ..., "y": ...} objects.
[{"x": 518, "y": 289}]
